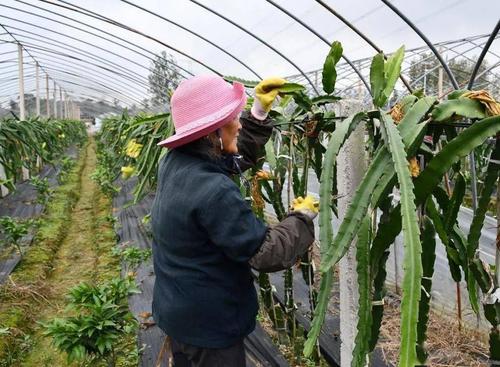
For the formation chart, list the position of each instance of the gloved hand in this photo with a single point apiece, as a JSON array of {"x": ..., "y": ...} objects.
[
  {"x": 307, "y": 206},
  {"x": 265, "y": 93}
]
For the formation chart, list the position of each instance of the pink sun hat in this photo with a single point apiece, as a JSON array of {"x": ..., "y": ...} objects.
[{"x": 202, "y": 104}]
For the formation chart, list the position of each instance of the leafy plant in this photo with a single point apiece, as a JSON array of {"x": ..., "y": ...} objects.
[
  {"x": 103, "y": 317},
  {"x": 389, "y": 168},
  {"x": 67, "y": 164},
  {"x": 104, "y": 177},
  {"x": 329, "y": 72},
  {"x": 132, "y": 256},
  {"x": 43, "y": 189},
  {"x": 308, "y": 136},
  {"x": 23, "y": 142},
  {"x": 14, "y": 230},
  {"x": 384, "y": 74}
]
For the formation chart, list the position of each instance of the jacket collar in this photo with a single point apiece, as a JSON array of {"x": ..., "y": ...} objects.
[{"x": 229, "y": 163}]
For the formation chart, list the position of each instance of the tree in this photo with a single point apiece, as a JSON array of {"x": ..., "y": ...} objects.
[
  {"x": 424, "y": 73},
  {"x": 163, "y": 77}
]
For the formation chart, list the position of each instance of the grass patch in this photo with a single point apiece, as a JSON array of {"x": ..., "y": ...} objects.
[
  {"x": 22, "y": 295},
  {"x": 76, "y": 247}
]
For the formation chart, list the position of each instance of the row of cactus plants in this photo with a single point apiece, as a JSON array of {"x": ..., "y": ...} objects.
[
  {"x": 24, "y": 144},
  {"x": 424, "y": 208}
]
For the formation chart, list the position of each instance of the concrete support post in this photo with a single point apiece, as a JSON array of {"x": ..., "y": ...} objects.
[
  {"x": 37, "y": 72},
  {"x": 351, "y": 167},
  {"x": 37, "y": 87},
  {"x": 47, "y": 96},
  {"x": 3, "y": 190},
  {"x": 22, "y": 107},
  {"x": 61, "y": 114},
  {"x": 55, "y": 99},
  {"x": 65, "y": 106}
]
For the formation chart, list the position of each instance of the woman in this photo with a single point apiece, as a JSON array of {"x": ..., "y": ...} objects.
[{"x": 206, "y": 238}]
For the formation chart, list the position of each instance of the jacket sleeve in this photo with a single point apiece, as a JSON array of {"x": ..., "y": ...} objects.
[
  {"x": 230, "y": 223},
  {"x": 284, "y": 244},
  {"x": 254, "y": 135}
]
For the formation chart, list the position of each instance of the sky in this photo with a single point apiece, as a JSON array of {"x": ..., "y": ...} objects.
[{"x": 88, "y": 66}]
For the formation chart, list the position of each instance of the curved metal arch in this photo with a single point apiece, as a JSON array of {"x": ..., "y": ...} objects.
[
  {"x": 8, "y": 52},
  {"x": 415, "y": 51},
  {"x": 424, "y": 49},
  {"x": 71, "y": 37},
  {"x": 30, "y": 79},
  {"x": 449, "y": 46},
  {"x": 10, "y": 64},
  {"x": 27, "y": 51},
  {"x": 345, "y": 72},
  {"x": 130, "y": 92},
  {"x": 258, "y": 39},
  {"x": 92, "y": 56},
  {"x": 79, "y": 68},
  {"x": 15, "y": 77},
  {"x": 60, "y": 82},
  {"x": 490, "y": 51},
  {"x": 70, "y": 48},
  {"x": 494, "y": 66},
  {"x": 79, "y": 78},
  {"x": 121, "y": 80},
  {"x": 56, "y": 80},
  {"x": 483, "y": 54},
  {"x": 457, "y": 55},
  {"x": 123, "y": 26},
  {"x": 426, "y": 40},
  {"x": 118, "y": 83},
  {"x": 106, "y": 33},
  {"x": 310, "y": 29},
  {"x": 92, "y": 33},
  {"x": 80, "y": 96},
  {"x": 455, "y": 86},
  {"x": 47, "y": 54},
  {"x": 183, "y": 28},
  {"x": 50, "y": 55},
  {"x": 359, "y": 33},
  {"x": 457, "y": 43},
  {"x": 118, "y": 24}
]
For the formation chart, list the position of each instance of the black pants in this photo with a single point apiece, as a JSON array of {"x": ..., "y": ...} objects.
[{"x": 190, "y": 356}]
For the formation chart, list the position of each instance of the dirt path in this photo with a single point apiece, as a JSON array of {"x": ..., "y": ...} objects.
[{"x": 84, "y": 255}]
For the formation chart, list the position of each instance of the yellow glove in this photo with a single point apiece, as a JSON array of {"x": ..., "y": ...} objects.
[
  {"x": 265, "y": 93},
  {"x": 307, "y": 206}
]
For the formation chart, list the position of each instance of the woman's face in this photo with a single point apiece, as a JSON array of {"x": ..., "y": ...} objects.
[{"x": 229, "y": 135}]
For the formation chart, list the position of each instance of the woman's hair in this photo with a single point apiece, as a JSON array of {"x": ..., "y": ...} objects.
[{"x": 210, "y": 144}]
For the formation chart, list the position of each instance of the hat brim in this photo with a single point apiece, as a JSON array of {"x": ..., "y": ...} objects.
[{"x": 210, "y": 123}]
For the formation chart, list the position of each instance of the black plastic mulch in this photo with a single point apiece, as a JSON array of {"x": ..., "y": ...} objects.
[
  {"x": 22, "y": 204},
  {"x": 259, "y": 347}
]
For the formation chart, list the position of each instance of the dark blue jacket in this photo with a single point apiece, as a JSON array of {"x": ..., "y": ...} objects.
[{"x": 204, "y": 235}]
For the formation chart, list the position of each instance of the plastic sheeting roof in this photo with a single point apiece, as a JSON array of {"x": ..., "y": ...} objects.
[{"x": 76, "y": 44}]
